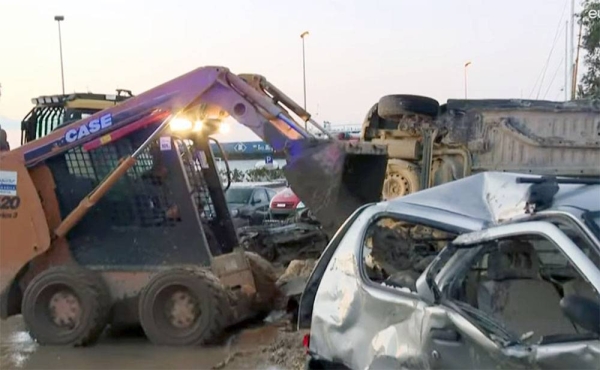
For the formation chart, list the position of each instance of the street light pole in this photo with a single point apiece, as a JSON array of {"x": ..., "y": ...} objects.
[
  {"x": 466, "y": 65},
  {"x": 58, "y": 19},
  {"x": 305, "y": 33}
]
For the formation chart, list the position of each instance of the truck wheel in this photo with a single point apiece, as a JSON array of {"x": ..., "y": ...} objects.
[
  {"x": 183, "y": 307},
  {"x": 66, "y": 305},
  {"x": 394, "y": 106},
  {"x": 401, "y": 178}
]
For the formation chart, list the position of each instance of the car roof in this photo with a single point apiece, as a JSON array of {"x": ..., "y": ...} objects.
[{"x": 491, "y": 197}]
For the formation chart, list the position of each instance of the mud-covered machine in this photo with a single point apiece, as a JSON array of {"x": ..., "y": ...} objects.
[{"x": 120, "y": 218}]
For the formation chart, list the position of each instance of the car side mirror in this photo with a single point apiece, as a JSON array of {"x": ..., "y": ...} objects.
[{"x": 582, "y": 311}]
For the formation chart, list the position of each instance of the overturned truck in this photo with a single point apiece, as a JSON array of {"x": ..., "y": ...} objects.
[{"x": 429, "y": 144}]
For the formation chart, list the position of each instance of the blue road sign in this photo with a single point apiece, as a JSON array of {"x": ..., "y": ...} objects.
[{"x": 268, "y": 159}]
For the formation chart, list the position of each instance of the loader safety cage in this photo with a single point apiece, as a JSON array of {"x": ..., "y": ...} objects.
[
  {"x": 51, "y": 112},
  {"x": 160, "y": 201}
]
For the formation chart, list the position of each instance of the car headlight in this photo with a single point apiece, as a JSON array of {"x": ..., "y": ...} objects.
[
  {"x": 180, "y": 124},
  {"x": 235, "y": 213}
]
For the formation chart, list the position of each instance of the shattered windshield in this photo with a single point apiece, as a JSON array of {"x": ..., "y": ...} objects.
[
  {"x": 511, "y": 287},
  {"x": 239, "y": 196},
  {"x": 496, "y": 331}
]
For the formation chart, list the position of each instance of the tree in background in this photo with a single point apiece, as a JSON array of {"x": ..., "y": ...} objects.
[
  {"x": 264, "y": 174},
  {"x": 253, "y": 175},
  {"x": 589, "y": 87}
]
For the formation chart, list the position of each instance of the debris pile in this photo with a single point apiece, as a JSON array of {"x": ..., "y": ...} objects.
[
  {"x": 291, "y": 283},
  {"x": 282, "y": 243},
  {"x": 269, "y": 347}
]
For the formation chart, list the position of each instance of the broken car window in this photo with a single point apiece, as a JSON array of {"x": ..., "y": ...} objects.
[
  {"x": 518, "y": 282},
  {"x": 572, "y": 230},
  {"x": 396, "y": 252}
]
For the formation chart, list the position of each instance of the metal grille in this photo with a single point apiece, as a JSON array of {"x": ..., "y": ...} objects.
[
  {"x": 140, "y": 198},
  {"x": 40, "y": 121},
  {"x": 193, "y": 162}
]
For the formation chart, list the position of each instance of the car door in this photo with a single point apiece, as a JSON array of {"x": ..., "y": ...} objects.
[
  {"x": 458, "y": 335},
  {"x": 363, "y": 317},
  {"x": 260, "y": 200}
]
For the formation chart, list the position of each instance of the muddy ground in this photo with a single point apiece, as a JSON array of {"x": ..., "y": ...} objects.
[{"x": 260, "y": 346}]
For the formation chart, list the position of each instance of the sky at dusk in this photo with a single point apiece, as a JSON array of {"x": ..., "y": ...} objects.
[{"x": 356, "y": 52}]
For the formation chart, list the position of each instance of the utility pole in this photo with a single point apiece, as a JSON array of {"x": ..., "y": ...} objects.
[
  {"x": 566, "y": 61},
  {"x": 576, "y": 65},
  {"x": 302, "y": 35},
  {"x": 572, "y": 51},
  {"x": 466, "y": 65},
  {"x": 58, "y": 19}
]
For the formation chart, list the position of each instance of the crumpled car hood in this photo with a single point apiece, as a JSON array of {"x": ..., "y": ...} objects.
[{"x": 492, "y": 197}]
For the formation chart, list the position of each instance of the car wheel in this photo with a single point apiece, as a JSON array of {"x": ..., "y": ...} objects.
[
  {"x": 395, "y": 106},
  {"x": 182, "y": 307},
  {"x": 66, "y": 305},
  {"x": 401, "y": 178}
]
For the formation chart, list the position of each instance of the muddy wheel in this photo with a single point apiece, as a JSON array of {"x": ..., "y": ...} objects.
[
  {"x": 66, "y": 305},
  {"x": 265, "y": 278},
  {"x": 183, "y": 307},
  {"x": 400, "y": 179},
  {"x": 395, "y": 106}
]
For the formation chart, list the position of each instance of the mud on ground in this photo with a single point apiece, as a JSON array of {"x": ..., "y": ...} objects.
[
  {"x": 270, "y": 346},
  {"x": 283, "y": 351}
]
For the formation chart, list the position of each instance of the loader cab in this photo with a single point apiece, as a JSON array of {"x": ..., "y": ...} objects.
[
  {"x": 52, "y": 112},
  {"x": 168, "y": 208}
]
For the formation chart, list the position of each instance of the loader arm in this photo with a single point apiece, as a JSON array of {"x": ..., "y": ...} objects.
[{"x": 333, "y": 178}]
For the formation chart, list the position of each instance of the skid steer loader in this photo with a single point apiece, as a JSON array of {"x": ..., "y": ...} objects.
[{"x": 120, "y": 218}]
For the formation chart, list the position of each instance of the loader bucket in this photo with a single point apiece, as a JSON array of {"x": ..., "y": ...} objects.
[{"x": 333, "y": 178}]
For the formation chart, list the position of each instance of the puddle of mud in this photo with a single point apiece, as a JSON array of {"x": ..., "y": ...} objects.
[{"x": 251, "y": 348}]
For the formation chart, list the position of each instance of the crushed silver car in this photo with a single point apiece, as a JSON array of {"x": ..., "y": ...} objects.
[{"x": 496, "y": 270}]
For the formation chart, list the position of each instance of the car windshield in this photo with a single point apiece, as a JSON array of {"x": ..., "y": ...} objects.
[{"x": 234, "y": 195}]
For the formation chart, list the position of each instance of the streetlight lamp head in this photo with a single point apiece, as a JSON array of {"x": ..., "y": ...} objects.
[
  {"x": 59, "y": 18},
  {"x": 305, "y": 33}
]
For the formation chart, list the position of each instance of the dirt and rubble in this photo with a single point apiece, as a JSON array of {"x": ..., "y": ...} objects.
[{"x": 269, "y": 347}]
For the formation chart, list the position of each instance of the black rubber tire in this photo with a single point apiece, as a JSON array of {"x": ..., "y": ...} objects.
[
  {"x": 205, "y": 288},
  {"x": 394, "y": 106},
  {"x": 92, "y": 294}
]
